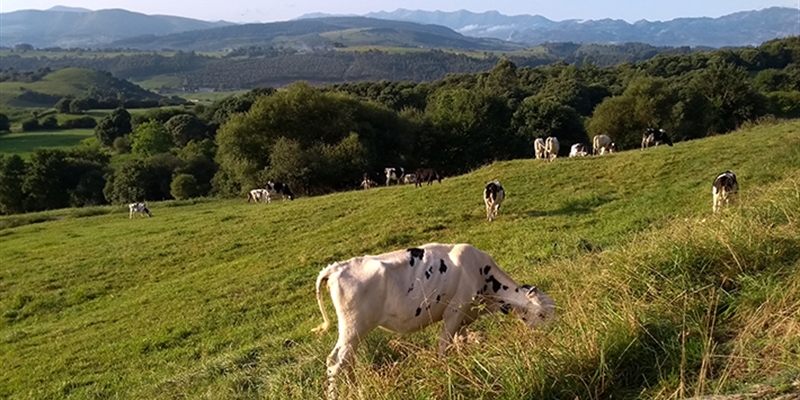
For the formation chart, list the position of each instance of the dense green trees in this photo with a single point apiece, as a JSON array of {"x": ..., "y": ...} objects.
[
  {"x": 150, "y": 138},
  {"x": 5, "y": 123},
  {"x": 112, "y": 126}
]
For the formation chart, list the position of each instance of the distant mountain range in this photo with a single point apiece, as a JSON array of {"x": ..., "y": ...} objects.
[
  {"x": 76, "y": 27},
  {"x": 738, "y": 29}
]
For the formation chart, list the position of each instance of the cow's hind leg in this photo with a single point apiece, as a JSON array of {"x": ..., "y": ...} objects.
[{"x": 341, "y": 362}]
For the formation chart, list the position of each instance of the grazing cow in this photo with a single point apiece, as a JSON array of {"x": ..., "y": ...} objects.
[
  {"x": 409, "y": 179},
  {"x": 276, "y": 188},
  {"x": 427, "y": 175},
  {"x": 654, "y": 137},
  {"x": 551, "y": 148},
  {"x": 394, "y": 174},
  {"x": 407, "y": 290},
  {"x": 493, "y": 196},
  {"x": 724, "y": 189},
  {"x": 140, "y": 208},
  {"x": 602, "y": 144},
  {"x": 257, "y": 195},
  {"x": 579, "y": 150},
  {"x": 538, "y": 148},
  {"x": 368, "y": 183}
]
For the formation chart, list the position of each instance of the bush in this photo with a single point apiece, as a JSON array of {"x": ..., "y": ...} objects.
[
  {"x": 77, "y": 123},
  {"x": 50, "y": 122},
  {"x": 183, "y": 187},
  {"x": 31, "y": 125},
  {"x": 122, "y": 144}
]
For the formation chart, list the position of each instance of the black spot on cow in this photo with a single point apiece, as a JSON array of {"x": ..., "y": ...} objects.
[
  {"x": 419, "y": 311},
  {"x": 429, "y": 272},
  {"x": 416, "y": 253},
  {"x": 501, "y": 301},
  {"x": 505, "y": 287},
  {"x": 516, "y": 290},
  {"x": 485, "y": 288},
  {"x": 442, "y": 267},
  {"x": 428, "y": 307},
  {"x": 486, "y": 270},
  {"x": 496, "y": 285},
  {"x": 410, "y": 289},
  {"x": 438, "y": 297},
  {"x": 505, "y": 308}
]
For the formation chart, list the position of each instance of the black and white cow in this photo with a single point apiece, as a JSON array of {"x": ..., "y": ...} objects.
[
  {"x": 407, "y": 290},
  {"x": 724, "y": 189},
  {"x": 257, "y": 195},
  {"x": 579, "y": 150},
  {"x": 538, "y": 148},
  {"x": 427, "y": 175},
  {"x": 493, "y": 196},
  {"x": 551, "y": 148},
  {"x": 394, "y": 174},
  {"x": 367, "y": 182},
  {"x": 140, "y": 208},
  {"x": 654, "y": 137},
  {"x": 602, "y": 144},
  {"x": 276, "y": 188}
]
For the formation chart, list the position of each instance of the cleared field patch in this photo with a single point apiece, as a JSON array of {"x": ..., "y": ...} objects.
[{"x": 24, "y": 143}]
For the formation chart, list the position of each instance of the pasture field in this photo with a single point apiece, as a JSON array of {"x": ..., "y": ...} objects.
[
  {"x": 209, "y": 97},
  {"x": 97, "y": 54},
  {"x": 657, "y": 297},
  {"x": 23, "y": 143}
]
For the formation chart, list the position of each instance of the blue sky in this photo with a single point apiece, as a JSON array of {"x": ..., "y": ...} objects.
[{"x": 279, "y": 10}]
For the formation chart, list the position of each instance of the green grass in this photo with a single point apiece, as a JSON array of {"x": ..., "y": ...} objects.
[
  {"x": 209, "y": 97},
  {"x": 215, "y": 298},
  {"x": 97, "y": 54},
  {"x": 24, "y": 143},
  {"x": 159, "y": 81}
]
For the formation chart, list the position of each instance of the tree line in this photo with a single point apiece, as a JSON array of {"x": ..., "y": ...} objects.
[{"x": 320, "y": 140}]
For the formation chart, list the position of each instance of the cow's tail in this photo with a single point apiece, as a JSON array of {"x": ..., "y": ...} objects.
[{"x": 322, "y": 278}]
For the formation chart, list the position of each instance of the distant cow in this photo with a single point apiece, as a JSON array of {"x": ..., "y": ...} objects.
[
  {"x": 276, "y": 188},
  {"x": 579, "y": 150},
  {"x": 493, "y": 196},
  {"x": 394, "y": 174},
  {"x": 538, "y": 148},
  {"x": 427, "y": 175},
  {"x": 551, "y": 148},
  {"x": 409, "y": 179},
  {"x": 602, "y": 144},
  {"x": 407, "y": 290},
  {"x": 724, "y": 189},
  {"x": 257, "y": 195},
  {"x": 654, "y": 137},
  {"x": 368, "y": 183},
  {"x": 140, "y": 208}
]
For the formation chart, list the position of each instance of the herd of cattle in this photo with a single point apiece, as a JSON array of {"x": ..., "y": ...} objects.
[{"x": 407, "y": 290}]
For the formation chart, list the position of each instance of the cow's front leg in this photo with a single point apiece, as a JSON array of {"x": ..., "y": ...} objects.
[{"x": 453, "y": 321}]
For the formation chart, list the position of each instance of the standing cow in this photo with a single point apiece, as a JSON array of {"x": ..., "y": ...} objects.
[
  {"x": 276, "y": 188},
  {"x": 724, "y": 189},
  {"x": 407, "y": 290},
  {"x": 493, "y": 196},
  {"x": 257, "y": 195},
  {"x": 602, "y": 144},
  {"x": 654, "y": 137},
  {"x": 551, "y": 148},
  {"x": 140, "y": 208},
  {"x": 394, "y": 174},
  {"x": 538, "y": 148},
  {"x": 427, "y": 175}
]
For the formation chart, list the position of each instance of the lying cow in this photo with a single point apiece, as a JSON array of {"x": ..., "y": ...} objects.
[
  {"x": 493, "y": 196},
  {"x": 257, "y": 195},
  {"x": 407, "y": 290},
  {"x": 394, "y": 174},
  {"x": 602, "y": 144},
  {"x": 276, "y": 188},
  {"x": 579, "y": 150},
  {"x": 140, "y": 208},
  {"x": 538, "y": 148},
  {"x": 654, "y": 137},
  {"x": 551, "y": 148},
  {"x": 724, "y": 189},
  {"x": 427, "y": 175}
]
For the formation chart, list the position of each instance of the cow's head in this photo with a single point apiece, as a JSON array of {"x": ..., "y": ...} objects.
[{"x": 539, "y": 310}]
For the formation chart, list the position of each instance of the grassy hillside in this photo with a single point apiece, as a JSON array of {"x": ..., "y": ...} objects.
[
  {"x": 215, "y": 299},
  {"x": 24, "y": 143},
  {"x": 74, "y": 82}
]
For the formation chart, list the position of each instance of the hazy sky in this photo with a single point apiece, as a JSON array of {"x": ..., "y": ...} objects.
[{"x": 280, "y": 10}]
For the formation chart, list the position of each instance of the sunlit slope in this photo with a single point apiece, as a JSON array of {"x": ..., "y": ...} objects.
[{"x": 215, "y": 299}]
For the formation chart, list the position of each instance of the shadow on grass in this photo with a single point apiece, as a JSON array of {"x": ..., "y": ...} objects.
[{"x": 574, "y": 206}]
